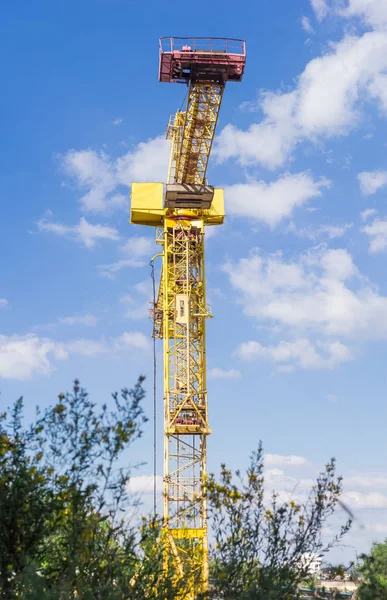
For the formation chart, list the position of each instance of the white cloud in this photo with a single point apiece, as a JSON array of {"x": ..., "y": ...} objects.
[
  {"x": 117, "y": 121},
  {"x": 133, "y": 339},
  {"x": 331, "y": 397},
  {"x": 372, "y": 181},
  {"x": 144, "y": 484},
  {"x": 275, "y": 201},
  {"x": 85, "y": 347},
  {"x": 21, "y": 357},
  {"x": 217, "y": 373},
  {"x": 306, "y": 24},
  {"x": 3, "y": 302},
  {"x": 300, "y": 353},
  {"x": 138, "y": 302},
  {"x": 334, "y": 231},
  {"x": 366, "y": 481},
  {"x": 144, "y": 287},
  {"x": 87, "y": 319},
  {"x": 100, "y": 176},
  {"x": 83, "y": 233},
  {"x": 138, "y": 246},
  {"x": 147, "y": 162},
  {"x": 109, "y": 270},
  {"x": 326, "y": 102},
  {"x": 369, "y": 212},
  {"x": 321, "y": 8},
  {"x": 266, "y": 143},
  {"x": 362, "y": 500},
  {"x": 211, "y": 231},
  {"x": 279, "y": 460},
  {"x": 377, "y": 231},
  {"x": 322, "y": 292},
  {"x": 135, "y": 248},
  {"x": 91, "y": 171},
  {"x": 377, "y": 528},
  {"x": 323, "y": 231},
  {"x": 373, "y": 12},
  {"x": 134, "y": 309}
]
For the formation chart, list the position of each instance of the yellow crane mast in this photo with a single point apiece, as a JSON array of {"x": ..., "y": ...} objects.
[{"x": 180, "y": 211}]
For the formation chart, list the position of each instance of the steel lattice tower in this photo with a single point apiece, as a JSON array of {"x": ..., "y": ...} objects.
[{"x": 180, "y": 211}]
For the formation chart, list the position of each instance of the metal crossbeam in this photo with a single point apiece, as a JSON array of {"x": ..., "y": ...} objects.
[
  {"x": 180, "y": 213},
  {"x": 192, "y": 133}
]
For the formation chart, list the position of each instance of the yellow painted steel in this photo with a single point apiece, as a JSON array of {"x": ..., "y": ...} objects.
[
  {"x": 147, "y": 204},
  {"x": 147, "y": 201},
  {"x": 192, "y": 133},
  {"x": 186, "y": 411},
  {"x": 180, "y": 315}
]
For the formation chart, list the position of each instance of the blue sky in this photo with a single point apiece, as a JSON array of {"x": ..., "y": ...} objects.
[{"x": 296, "y": 276}]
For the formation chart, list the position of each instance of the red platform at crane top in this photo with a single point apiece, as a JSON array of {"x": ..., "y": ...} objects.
[{"x": 183, "y": 60}]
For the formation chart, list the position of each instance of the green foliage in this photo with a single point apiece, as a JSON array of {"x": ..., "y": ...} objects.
[
  {"x": 373, "y": 571},
  {"x": 25, "y": 495},
  {"x": 82, "y": 446},
  {"x": 64, "y": 531},
  {"x": 259, "y": 541}
]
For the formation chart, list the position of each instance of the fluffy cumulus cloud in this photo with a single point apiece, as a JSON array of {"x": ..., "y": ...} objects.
[
  {"x": 292, "y": 476},
  {"x": 368, "y": 213},
  {"x": 321, "y": 291},
  {"x": 270, "y": 203},
  {"x": 326, "y": 101},
  {"x": 132, "y": 339},
  {"x": 316, "y": 303},
  {"x": 84, "y": 233},
  {"x": 92, "y": 172},
  {"x": 362, "y": 492},
  {"x": 300, "y": 353},
  {"x": 22, "y": 357},
  {"x": 320, "y": 7},
  {"x": 377, "y": 232},
  {"x": 138, "y": 246},
  {"x": 104, "y": 181},
  {"x": 372, "y": 181},
  {"x": 372, "y": 12}
]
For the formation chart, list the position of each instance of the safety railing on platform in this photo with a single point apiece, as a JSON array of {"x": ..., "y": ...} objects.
[{"x": 226, "y": 45}]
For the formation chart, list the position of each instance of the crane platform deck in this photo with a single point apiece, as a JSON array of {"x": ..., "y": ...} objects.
[{"x": 183, "y": 60}]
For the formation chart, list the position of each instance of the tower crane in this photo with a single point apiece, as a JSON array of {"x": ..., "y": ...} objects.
[{"x": 180, "y": 210}]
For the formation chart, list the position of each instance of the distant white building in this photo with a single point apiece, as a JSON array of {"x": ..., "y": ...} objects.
[{"x": 311, "y": 562}]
